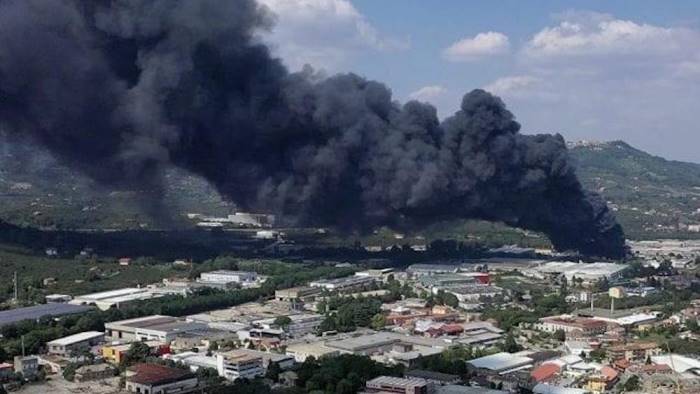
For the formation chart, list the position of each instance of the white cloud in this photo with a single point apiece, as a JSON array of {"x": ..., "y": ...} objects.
[
  {"x": 323, "y": 33},
  {"x": 594, "y": 76},
  {"x": 428, "y": 93},
  {"x": 482, "y": 45},
  {"x": 581, "y": 34},
  {"x": 511, "y": 84}
]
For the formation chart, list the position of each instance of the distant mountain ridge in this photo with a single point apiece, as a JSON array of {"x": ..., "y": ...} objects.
[{"x": 652, "y": 197}]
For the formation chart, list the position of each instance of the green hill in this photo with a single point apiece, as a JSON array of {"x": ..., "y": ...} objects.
[{"x": 653, "y": 197}]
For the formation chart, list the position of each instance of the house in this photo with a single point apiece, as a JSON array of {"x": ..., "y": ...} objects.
[
  {"x": 159, "y": 379},
  {"x": 26, "y": 365},
  {"x": 603, "y": 380},
  {"x": 6, "y": 369},
  {"x": 125, "y": 261}
]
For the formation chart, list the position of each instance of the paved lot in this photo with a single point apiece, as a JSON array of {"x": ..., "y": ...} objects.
[{"x": 57, "y": 385}]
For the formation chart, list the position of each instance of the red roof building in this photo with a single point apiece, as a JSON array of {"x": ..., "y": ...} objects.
[
  {"x": 153, "y": 378},
  {"x": 545, "y": 372}
]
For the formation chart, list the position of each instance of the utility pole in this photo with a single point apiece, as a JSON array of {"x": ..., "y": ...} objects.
[{"x": 16, "y": 292}]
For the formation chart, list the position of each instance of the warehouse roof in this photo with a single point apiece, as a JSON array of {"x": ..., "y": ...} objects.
[
  {"x": 38, "y": 311},
  {"x": 500, "y": 361},
  {"x": 76, "y": 338}
]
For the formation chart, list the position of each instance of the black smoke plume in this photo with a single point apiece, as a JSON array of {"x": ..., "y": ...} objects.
[{"x": 122, "y": 89}]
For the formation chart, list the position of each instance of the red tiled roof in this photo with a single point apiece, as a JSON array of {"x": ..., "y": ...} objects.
[
  {"x": 155, "y": 374},
  {"x": 452, "y": 328},
  {"x": 609, "y": 373},
  {"x": 544, "y": 372}
]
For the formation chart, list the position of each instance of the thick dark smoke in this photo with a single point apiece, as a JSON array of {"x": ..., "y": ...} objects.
[{"x": 122, "y": 89}]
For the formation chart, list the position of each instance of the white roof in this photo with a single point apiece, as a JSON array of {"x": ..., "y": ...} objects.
[
  {"x": 77, "y": 338},
  {"x": 678, "y": 363},
  {"x": 500, "y": 361},
  {"x": 111, "y": 294},
  {"x": 542, "y": 388}
]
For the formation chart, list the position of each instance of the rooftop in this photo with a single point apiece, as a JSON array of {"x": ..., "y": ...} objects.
[
  {"x": 38, "y": 311},
  {"x": 155, "y": 374},
  {"x": 500, "y": 361},
  {"x": 76, "y": 338}
]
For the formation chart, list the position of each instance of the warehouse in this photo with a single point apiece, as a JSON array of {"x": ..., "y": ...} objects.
[
  {"x": 37, "y": 312},
  {"x": 115, "y": 298},
  {"x": 340, "y": 284},
  {"x": 73, "y": 344},
  {"x": 155, "y": 327},
  {"x": 501, "y": 363},
  {"x": 225, "y": 276}
]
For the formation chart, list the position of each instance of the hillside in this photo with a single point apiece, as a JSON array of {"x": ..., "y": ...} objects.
[
  {"x": 37, "y": 191},
  {"x": 652, "y": 196}
]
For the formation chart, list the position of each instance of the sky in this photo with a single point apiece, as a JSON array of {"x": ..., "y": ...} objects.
[{"x": 589, "y": 70}]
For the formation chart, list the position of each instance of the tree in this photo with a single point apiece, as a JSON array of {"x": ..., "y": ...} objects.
[
  {"x": 138, "y": 352},
  {"x": 378, "y": 321},
  {"x": 282, "y": 321},
  {"x": 559, "y": 335},
  {"x": 69, "y": 372},
  {"x": 632, "y": 384},
  {"x": 509, "y": 345},
  {"x": 273, "y": 371}
]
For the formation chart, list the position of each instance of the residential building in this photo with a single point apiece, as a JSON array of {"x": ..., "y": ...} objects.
[
  {"x": 390, "y": 384},
  {"x": 26, "y": 365},
  {"x": 73, "y": 344},
  {"x": 159, "y": 379},
  {"x": 634, "y": 351},
  {"x": 236, "y": 364}
]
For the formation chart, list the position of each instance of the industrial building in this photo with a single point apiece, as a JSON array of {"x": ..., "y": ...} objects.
[
  {"x": 115, "y": 298},
  {"x": 300, "y": 351},
  {"x": 342, "y": 284},
  {"x": 226, "y": 277},
  {"x": 569, "y": 323},
  {"x": 72, "y": 344},
  {"x": 390, "y": 384},
  {"x": 300, "y": 324},
  {"x": 296, "y": 293},
  {"x": 37, "y": 312},
  {"x": 588, "y": 272},
  {"x": 156, "y": 327},
  {"x": 501, "y": 363}
]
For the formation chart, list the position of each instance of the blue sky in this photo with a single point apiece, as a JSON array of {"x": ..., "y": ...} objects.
[{"x": 596, "y": 70}]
